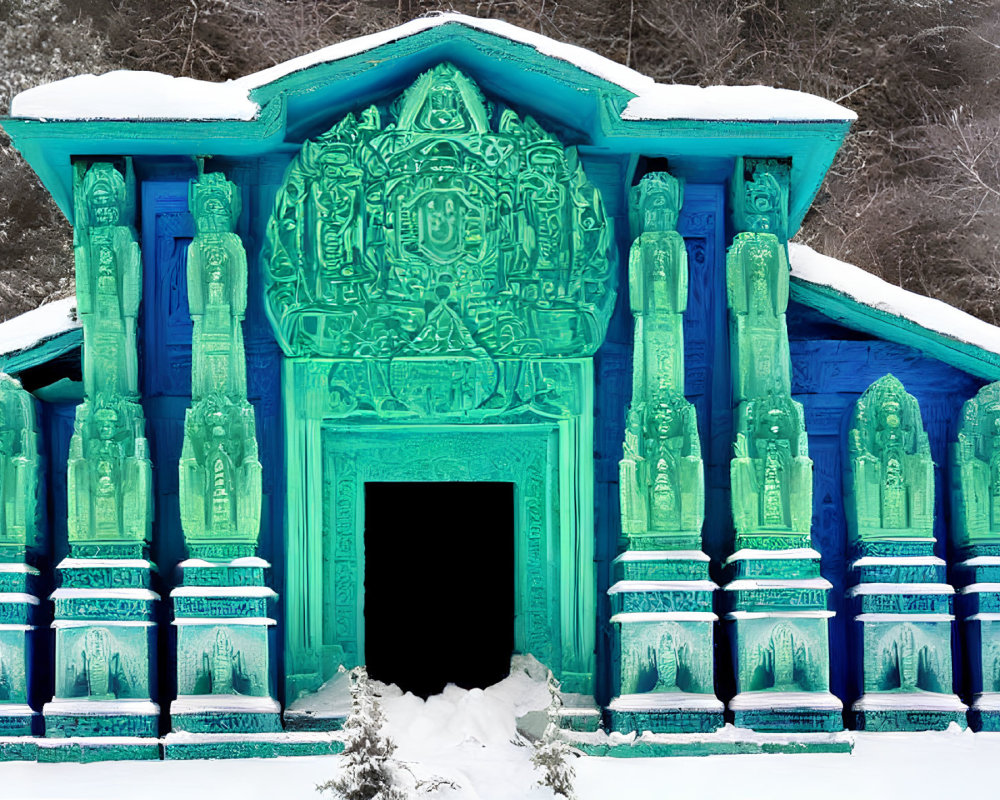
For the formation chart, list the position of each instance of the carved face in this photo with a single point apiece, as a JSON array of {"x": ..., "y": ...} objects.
[
  {"x": 659, "y": 208},
  {"x": 106, "y": 423},
  {"x": 890, "y": 413},
  {"x": 442, "y": 111}
]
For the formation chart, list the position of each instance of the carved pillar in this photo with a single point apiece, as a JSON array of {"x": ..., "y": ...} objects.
[
  {"x": 776, "y": 598},
  {"x": 663, "y": 667},
  {"x": 901, "y": 602},
  {"x": 20, "y": 542},
  {"x": 223, "y": 611},
  {"x": 105, "y": 633},
  {"x": 975, "y": 506}
]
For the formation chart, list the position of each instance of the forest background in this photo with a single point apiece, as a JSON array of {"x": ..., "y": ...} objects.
[{"x": 914, "y": 195}]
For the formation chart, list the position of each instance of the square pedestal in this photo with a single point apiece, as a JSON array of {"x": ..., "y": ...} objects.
[
  {"x": 104, "y": 662},
  {"x": 979, "y": 608},
  {"x": 901, "y": 639},
  {"x": 662, "y": 661},
  {"x": 18, "y": 614},
  {"x": 778, "y": 626},
  {"x": 224, "y": 626}
]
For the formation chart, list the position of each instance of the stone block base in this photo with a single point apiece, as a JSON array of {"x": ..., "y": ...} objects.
[
  {"x": 984, "y": 715},
  {"x": 225, "y": 714},
  {"x": 671, "y": 712},
  {"x": 726, "y": 741},
  {"x": 101, "y": 718},
  {"x": 311, "y": 721},
  {"x": 87, "y": 749},
  {"x": 19, "y": 720},
  {"x": 579, "y": 712},
  {"x": 787, "y": 711},
  {"x": 189, "y": 746},
  {"x": 907, "y": 711},
  {"x": 18, "y": 748}
]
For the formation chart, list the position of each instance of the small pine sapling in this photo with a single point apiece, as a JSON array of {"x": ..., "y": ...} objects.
[
  {"x": 552, "y": 754},
  {"x": 370, "y": 769}
]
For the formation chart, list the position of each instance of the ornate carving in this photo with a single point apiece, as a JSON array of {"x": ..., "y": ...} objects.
[
  {"x": 975, "y": 470},
  {"x": 757, "y": 285},
  {"x": 108, "y": 278},
  {"x": 661, "y": 476},
  {"x": 224, "y": 665},
  {"x": 19, "y": 506},
  {"x": 889, "y": 487},
  {"x": 771, "y": 473},
  {"x": 220, "y": 474},
  {"x": 760, "y": 196},
  {"x": 109, "y": 473},
  {"x": 784, "y": 662},
  {"x": 905, "y": 663},
  {"x": 428, "y": 233}
]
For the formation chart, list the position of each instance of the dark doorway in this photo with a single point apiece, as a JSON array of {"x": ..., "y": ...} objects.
[{"x": 439, "y": 584}]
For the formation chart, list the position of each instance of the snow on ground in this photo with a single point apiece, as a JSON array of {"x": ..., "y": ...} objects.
[
  {"x": 854, "y": 282},
  {"x": 470, "y": 737},
  {"x": 150, "y": 95}
]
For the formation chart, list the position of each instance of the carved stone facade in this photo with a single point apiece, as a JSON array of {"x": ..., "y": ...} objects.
[{"x": 407, "y": 267}]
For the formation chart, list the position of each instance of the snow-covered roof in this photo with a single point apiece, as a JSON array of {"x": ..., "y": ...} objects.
[
  {"x": 125, "y": 95},
  {"x": 816, "y": 269},
  {"x": 33, "y": 327}
]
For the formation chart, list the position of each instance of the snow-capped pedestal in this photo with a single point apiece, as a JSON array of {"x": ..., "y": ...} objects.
[
  {"x": 105, "y": 677},
  {"x": 224, "y": 621}
]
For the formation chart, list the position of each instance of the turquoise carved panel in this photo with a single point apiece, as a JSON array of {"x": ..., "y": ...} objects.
[
  {"x": 20, "y": 509},
  {"x": 442, "y": 225},
  {"x": 102, "y": 662},
  {"x": 14, "y": 665},
  {"x": 975, "y": 472},
  {"x": 222, "y": 659},
  {"x": 889, "y": 483},
  {"x": 782, "y": 655}
]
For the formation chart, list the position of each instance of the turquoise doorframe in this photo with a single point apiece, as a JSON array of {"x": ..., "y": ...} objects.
[{"x": 543, "y": 445}]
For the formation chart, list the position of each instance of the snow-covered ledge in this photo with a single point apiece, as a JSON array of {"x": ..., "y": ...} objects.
[
  {"x": 149, "y": 95},
  {"x": 37, "y": 325},
  {"x": 851, "y": 281}
]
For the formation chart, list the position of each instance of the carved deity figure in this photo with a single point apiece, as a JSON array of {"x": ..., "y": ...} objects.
[
  {"x": 975, "y": 471},
  {"x": 100, "y": 664},
  {"x": 108, "y": 279},
  {"x": 220, "y": 474},
  {"x": 6, "y": 680},
  {"x": 109, "y": 473},
  {"x": 19, "y": 459},
  {"x": 783, "y": 661},
  {"x": 889, "y": 489},
  {"x": 905, "y": 665},
  {"x": 661, "y": 475},
  {"x": 771, "y": 473},
  {"x": 217, "y": 289},
  {"x": 654, "y": 665},
  {"x": 760, "y": 202},
  {"x": 224, "y": 664},
  {"x": 757, "y": 285},
  {"x": 431, "y": 229}
]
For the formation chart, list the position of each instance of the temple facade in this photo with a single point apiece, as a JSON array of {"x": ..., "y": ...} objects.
[{"x": 728, "y": 484}]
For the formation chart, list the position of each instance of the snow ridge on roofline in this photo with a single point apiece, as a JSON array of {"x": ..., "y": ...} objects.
[
  {"x": 863, "y": 287},
  {"x": 125, "y": 95}
]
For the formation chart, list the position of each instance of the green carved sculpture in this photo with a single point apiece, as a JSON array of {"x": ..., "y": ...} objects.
[
  {"x": 19, "y": 507},
  {"x": 661, "y": 476},
  {"x": 220, "y": 474},
  {"x": 889, "y": 490},
  {"x": 108, "y": 279},
  {"x": 760, "y": 196},
  {"x": 217, "y": 289},
  {"x": 771, "y": 473},
  {"x": 975, "y": 470},
  {"x": 109, "y": 473},
  {"x": 757, "y": 275},
  {"x": 425, "y": 232}
]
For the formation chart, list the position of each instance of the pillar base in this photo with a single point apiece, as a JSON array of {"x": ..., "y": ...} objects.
[
  {"x": 665, "y": 712},
  {"x": 907, "y": 711},
  {"x": 225, "y": 714},
  {"x": 775, "y": 711}
]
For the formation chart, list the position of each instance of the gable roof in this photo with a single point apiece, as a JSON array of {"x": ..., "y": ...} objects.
[{"x": 603, "y": 106}]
